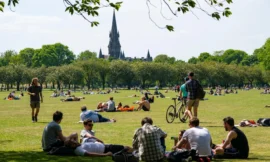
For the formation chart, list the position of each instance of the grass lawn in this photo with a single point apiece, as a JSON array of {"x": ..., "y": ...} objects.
[{"x": 20, "y": 139}]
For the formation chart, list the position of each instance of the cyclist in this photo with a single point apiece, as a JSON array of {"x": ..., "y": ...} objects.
[{"x": 183, "y": 95}]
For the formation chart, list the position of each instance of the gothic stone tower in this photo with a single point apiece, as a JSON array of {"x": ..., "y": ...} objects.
[{"x": 114, "y": 44}]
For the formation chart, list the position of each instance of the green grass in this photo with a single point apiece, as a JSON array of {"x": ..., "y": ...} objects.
[{"x": 20, "y": 139}]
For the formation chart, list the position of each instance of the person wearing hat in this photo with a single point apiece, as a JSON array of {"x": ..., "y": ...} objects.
[{"x": 92, "y": 115}]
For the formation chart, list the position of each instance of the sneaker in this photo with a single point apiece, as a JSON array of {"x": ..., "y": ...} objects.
[
  {"x": 33, "y": 119},
  {"x": 183, "y": 120},
  {"x": 36, "y": 119}
]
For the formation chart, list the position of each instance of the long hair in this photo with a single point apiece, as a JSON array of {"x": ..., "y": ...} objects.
[{"x": 32, "y": 83}]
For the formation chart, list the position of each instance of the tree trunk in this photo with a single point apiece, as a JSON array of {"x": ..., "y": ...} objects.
[
  {"x": 58, "y": 85},
  {"x": 18, "y": 86},
  {"x": 7, "y": 85},
  {"x": 68, "y": 85}
]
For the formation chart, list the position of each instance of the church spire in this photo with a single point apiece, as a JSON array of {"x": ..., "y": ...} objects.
[
  {"x": 114, "y": 44},
  {"x": 100, "y": 54},
  {"x": 148, "y": 57}
]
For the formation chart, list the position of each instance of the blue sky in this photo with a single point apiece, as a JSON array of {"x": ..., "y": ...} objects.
[{"x": 39, "y": 22}]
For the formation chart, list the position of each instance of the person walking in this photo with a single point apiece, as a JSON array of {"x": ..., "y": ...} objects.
[
  {"x": 35, "y": 92},
  {"x": 192, "y": 100}
]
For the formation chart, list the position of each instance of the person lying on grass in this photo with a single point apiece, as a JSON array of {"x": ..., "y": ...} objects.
[
  {"x": 144, "y": 104},
  {"x": 87, "y": 134},
  {"x": 72, "y": 99},
  {"x": 92, "y": 115},
  {"x": 94, "y": 148}
]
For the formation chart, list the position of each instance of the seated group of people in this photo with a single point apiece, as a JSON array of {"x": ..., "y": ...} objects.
[
  {"x": 227, "y": 91},
  {"x": 109, "y": 106},
  {"x": 149, "y": 140},
  {"x": 234, "y": 146},
  {"x": 12, "y": 96},
  {"x": 61, "y": 93}
]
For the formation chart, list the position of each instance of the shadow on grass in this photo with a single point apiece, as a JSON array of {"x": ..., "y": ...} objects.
[
  {"x": 5, "y": 141},
  {"x": 32, "y": 156}
]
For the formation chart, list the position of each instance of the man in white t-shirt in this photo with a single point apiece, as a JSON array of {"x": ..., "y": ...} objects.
[
  {"x": 94, "y": 148},
  {"x": 198, "y": 137}
]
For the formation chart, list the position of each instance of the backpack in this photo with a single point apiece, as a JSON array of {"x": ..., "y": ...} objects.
[
  {"x": 124, "y": 156},
  {"x": 264, "y": 122},
  {"x": 200, "y": 93}
]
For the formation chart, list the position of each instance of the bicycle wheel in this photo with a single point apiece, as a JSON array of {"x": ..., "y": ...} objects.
[
  {"x": 170, "y": 114},
  {"x": 181, "y": 114}
]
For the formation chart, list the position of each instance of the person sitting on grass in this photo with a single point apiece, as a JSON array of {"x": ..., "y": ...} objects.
[
  {"x": 52, "y": 133},
  {"x": 72, "y": 99},
  {"x": 94, "y": 148},
  {"x": 144, "y": 104},
  {"x": 102, "y": 106},
  {"x": 177, "y": 139},
  {"x": 111, "y": 105},
  {"x": 198, "y": 138},
  {"x": 149, "y": 141},
  {"x": 92, "y": 115},
  {"x": 236, "y": 143},
  {"x": 150, "y": 99},
  {"x": 12, "y": 96},
  {"x": 87, "y": 134}
]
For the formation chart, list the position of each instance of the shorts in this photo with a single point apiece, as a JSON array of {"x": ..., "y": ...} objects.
[
  {"x": 230, "y": 153},
  {"x": 193, "y": 103},
  {"x": 35, "y": 104}
]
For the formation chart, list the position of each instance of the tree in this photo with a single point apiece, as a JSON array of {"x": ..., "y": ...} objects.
[
  {"x": 264, "y": 54},
  {"x": 162, "y": 58},
  {"x": 25, "y": 56},
  {"x": 121, "y": 72},
  {"x": 90, "y": 70},
  {"x": 86, "y": 55},
  {"x": 204, "y": 57},
  {"x": 71, "y": 75},
  {"x": 233, "y": 56},
  {"x": 143, "y": 71},
  {"x": 87, "y": 8},
  {"x": 53, "y": 55},
  {"x": 193, "y": 60},
  {"x": 7, "y": 57},
  {"x": 103, "y": 71},
  {"x": 7, "y": 77},
  {"x": 19, "y": 72}
]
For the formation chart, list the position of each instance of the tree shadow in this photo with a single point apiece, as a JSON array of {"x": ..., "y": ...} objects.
[
  {"x": 5, "y": 141},
  {"x": 15, "y": 156}
]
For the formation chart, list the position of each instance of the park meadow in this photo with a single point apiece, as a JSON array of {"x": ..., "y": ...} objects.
[{"x": 20, "y": 139}]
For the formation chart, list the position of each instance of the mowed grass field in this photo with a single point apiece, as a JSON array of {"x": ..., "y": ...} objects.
[{"x": 20, "y": 139}]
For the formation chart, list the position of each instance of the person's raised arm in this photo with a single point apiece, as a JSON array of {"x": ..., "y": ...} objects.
[
  {"x": 180, "y": 144},
  {"x": 231, "y": 135},
  {"x": 61, "y": 136}
]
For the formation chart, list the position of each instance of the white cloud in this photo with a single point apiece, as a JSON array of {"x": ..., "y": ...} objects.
[{"x": 16, "y": 22}]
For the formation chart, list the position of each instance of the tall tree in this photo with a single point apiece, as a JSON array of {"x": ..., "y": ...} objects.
[
  {"x": 86, "y": 55},
  {"x": 162, "y": 58},
  {"x": 53, "y": 55},
  {"x": 25, "y": 56}
]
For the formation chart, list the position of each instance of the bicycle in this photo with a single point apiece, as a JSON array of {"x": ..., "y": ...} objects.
[{"x": 171, "y": 112}]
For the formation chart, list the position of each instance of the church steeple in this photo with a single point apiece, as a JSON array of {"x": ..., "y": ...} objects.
[
  {"x": 148, "y": 57},
  {"x": 100, "y": 54},
  {"x": 114, "y": 44}
]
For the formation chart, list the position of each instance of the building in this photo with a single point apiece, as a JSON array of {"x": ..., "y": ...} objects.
[{"x": 114, "y": 46}]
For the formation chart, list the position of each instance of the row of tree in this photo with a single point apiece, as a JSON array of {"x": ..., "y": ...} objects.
[
  {"x": 95, "y": 73},
  {"x": 59, "y": 54}
]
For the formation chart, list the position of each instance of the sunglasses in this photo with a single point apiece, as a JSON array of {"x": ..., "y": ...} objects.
[{"x": 90, "y": 125}]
